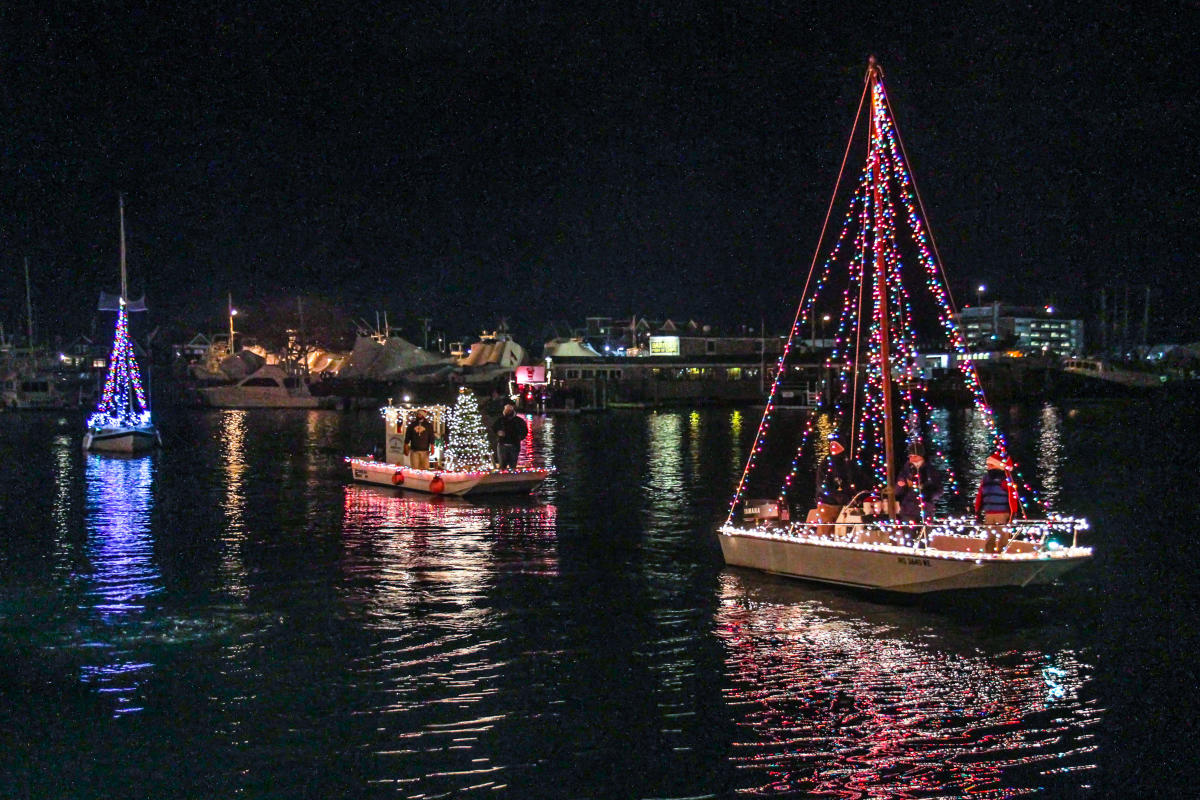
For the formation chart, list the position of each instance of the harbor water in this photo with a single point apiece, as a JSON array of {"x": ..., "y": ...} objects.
[{"x": 231, "y": 617}]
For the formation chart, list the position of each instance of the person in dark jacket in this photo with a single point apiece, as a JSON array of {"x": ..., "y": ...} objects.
[
  {"x": 417, "y": 441},
  {"x": 918, "y": 487},
  {"x": 510, "y": 430},
  {"x": 835, "y": 485},
  {"x": 997, "y": 499}
]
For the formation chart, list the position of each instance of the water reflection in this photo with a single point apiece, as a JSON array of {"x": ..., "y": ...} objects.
[
  {"x": 866, "y": 702},
  {"x": 422, "y": 573},
  {"x": 123, "y": 572},
  {"x": 1049, "y": 454},
  {"x": 232, "y": 438},
  {"x": 978, "y": 444},
  {"x": 64, "y": 451}
]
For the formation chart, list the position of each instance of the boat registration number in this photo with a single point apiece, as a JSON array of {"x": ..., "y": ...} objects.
[
  {"x": 913, "y": 562},
  {"x": 360, "y": 474}
]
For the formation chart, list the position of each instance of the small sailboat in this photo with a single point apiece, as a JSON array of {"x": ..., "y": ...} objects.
[
  {"x": 122, "y": 422},
  {"x": 881, "y": 279}
]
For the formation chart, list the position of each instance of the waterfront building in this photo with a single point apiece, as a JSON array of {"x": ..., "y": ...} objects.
[
  {"x": 1035, "y": 330},
  {"x": 638, "y": 362}
]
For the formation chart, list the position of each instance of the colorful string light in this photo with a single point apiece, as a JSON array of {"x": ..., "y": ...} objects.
[
  {"x": 123, "y": 402},
  {"x": 883, "y": 200}
]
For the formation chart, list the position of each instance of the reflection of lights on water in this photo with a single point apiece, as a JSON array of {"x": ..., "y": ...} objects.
[
  {"x": 694, "y": 439},
  {"x": 232, "y": 432},
  {"x": 64, "y": 449},
  {"x": 978, "y": 445},
  {"x": 834, "y": 705},
  {"x": 123, "y": 572},
  {"x": 1055, "y": 688},
  {"x": 540, "y": 448},
  {"x": 421, "y": 571},
  {"x": 1049, "y": 454},
  {"x": 664, "y": 468}
]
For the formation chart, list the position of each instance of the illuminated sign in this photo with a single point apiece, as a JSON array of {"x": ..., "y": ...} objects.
[
  {"x": 531, "y": 376},
  {"x": 664, "y": 345}
]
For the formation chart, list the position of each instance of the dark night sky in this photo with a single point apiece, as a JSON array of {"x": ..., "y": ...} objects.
[{"x": 467, "y": 161}]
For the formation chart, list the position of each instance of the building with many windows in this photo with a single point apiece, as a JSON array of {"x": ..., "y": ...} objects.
[{"x": 1033, "y": 330}]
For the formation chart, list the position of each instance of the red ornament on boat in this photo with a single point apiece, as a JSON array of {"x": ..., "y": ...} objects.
[
  {"x": 397, "y": 478},
  {"x": 437, "y": 485}
]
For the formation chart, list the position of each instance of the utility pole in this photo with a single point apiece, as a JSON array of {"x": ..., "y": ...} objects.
[
  {"x": 1103, "y": 320},
  {"x": 1146, "y": 320},
  {"x": 232, "y": 314},
  {"x": 425, "y": 325},
  {"x": 28, "y": 304}
]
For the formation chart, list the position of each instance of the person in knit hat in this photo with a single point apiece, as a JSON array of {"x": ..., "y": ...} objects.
[
  {"x": 997, "y": 501},
  {"x": 835, "y": 485},
  {"x": 918, "y": 486}
]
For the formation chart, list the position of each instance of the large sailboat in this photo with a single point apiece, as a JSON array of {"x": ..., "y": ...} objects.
[
  {"x": 122, "y": 422},
  {"x": 883, "y": 272}
]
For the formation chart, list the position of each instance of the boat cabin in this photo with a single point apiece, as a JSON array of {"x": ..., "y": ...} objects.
[{"x": 396, "y": 421}]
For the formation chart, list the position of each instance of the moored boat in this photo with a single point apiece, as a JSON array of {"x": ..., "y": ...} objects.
[
  {"x": 268, "y": 387},
  {"x": 122, "y": 421},
  {"x": 897, "y": 536}
]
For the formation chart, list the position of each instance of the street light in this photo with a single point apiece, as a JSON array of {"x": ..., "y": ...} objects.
[
  {"x": 232, "y": 314},
  {"x": 979, "y": 294}
]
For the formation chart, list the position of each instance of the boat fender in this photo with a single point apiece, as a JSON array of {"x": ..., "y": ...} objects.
[
  {"x": 437, "y": 485},
  {"x": 397, "y": 478}
]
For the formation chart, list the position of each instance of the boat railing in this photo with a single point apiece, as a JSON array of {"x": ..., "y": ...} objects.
[{"x": 1039, "y": 534}]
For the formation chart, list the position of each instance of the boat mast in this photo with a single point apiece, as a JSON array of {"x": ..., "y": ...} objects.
[
  {"x": 28, "y": 305},
  {"x": 121, "y": 210},
  {"x": 881, "y": 283}
]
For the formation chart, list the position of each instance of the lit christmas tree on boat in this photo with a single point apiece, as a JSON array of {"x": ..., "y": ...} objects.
[
  {"x": 461, "y": 461},
  {"x": 890, "y": 537},
  {"x": 122, "y": 422}
]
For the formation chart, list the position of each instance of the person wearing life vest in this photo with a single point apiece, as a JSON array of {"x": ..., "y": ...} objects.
[{"x": 997, "y": 501}]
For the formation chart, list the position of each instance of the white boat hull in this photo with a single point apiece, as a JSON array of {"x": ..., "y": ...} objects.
[
  {"x": 232, "y": 397},
  {"x": 909, "y": 570},
  {"x": 382, "y": 473},
  {"x": 122, "y": 440}
]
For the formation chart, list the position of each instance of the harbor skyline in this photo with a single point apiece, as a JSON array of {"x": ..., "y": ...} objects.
[{"x": 488, "y": 162}]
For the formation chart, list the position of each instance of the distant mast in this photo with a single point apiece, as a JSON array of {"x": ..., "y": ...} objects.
[
  {"x": 121, "y": 213},
  {"x": 28, "y": 305}
]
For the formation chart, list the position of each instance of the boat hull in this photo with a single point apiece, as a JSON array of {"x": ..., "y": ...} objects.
[
  {"x": 121, "y": 440},
  {"x": 381, "y": 473},
  {"x": 222, "y": 397},
  {"x": 907, "y": 570}
]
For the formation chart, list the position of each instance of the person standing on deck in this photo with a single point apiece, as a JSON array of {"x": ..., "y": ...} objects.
[
  {"x": 918, "y": 487},
  {"x": 510, "y": 430},
  {"x": 417, "y": 441},
  {"x": 997, "y": 500}
]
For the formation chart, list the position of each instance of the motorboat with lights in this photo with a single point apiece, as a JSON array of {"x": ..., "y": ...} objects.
[
  {"x": 122, "y": 422},
  {"x": 899, "y": 537},
  {"x": 460, "y": 460}
]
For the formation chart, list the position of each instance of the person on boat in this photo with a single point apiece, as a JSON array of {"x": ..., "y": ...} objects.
[
  {"x": 510, "y": 430},
  {"x": 918, "y": 487},
  {"x": 417, "y": 441},
  {"x": 835, "y": 484},
  {"x": 997, "y": 501}
]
